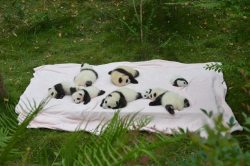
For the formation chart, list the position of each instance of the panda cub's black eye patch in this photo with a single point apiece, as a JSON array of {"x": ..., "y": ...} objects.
[
  {"x": 126, "y": 80},
  {"x": 52, "y": 93},
  {"x": 80, "y": 94},
  {"x": 78, "y": 98},
  {"x": 106, "y": 102},
  {"x": 154, "y": 94},
  {"x": 109, "y": 107},
  {"x": 120, "y": 80}
]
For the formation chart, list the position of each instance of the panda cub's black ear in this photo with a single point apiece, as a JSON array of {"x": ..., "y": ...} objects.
[
  {"x": 82, "y": 65},
  {"x": 101, "y": 92}
]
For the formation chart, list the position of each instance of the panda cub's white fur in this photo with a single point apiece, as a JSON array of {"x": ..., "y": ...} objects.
[
  {"x": 152, "y": 93},
  {"x": 59, "y": 90},
  {"x": 124, "y": 75},
  {"x": 171, "y": 101},
  {"x": 86, "y": 94},
  {"x": 120, "y": 98},
  {"x": 87, "y": 76}
]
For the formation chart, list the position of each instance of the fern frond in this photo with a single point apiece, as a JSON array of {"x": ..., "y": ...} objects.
[{"x": 19, "y": 132}]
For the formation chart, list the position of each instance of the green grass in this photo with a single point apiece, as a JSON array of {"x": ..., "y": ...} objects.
[{"x": 52, "y": 32}]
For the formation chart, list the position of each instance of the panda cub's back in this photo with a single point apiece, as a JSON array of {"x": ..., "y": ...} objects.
[
  {"x": 92, "y": 90},
  {"x": 130, "y": 70},
  {"x": 174, "y": 99},
  {"x": 85, "y": 76},
  {"x": 66, "y": 87},
  {"x": 129, "y": 94}
]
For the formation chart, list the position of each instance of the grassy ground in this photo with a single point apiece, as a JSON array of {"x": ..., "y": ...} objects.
[{"x": 35, "y": 33}]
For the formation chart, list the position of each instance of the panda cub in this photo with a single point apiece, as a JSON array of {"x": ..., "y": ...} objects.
[
  {"x": 86, "y": 94},
  {"x": 179, "y": 82},
  {"x": 87, "y": 76},
  {"x": 59, "y": 90},
  {"x": 124, "y": 75},
  {"x": 120, "y": 98},
  {"x": 153, "y": 93},
  {"x": 171, "y": 101}
]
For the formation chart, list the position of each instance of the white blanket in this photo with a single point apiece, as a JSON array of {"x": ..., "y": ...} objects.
[{"x": 206, "y": 90}]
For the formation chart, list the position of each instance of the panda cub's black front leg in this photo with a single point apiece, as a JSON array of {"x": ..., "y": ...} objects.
[
  {"x": 60, "y": 95},
  {"x": 157, "y": 101}
]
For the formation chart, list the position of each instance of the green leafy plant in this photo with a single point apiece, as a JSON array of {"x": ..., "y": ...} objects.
[
  {"x": 18, "y": 132},
  {"x": 109, "y": 148},
  {"x": 220, "y": 148}
]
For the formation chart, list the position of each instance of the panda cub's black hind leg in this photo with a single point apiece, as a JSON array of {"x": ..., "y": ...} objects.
[
  {"x": 136, "y": 73},
  {"x": 186, "y": 103},
  {"x": 170, "y": 109},
  {"x": 133, "y": 80}
]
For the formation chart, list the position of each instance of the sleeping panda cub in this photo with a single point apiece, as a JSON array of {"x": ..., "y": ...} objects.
[
  {"x": 124, "y": 75},
  {"x": 86, "y": 94},
  {"x": 120, "y": 98},
  {"x": 179, "y": 81},
  {"x": 59, "y": 90},
  {"x": 171, "y": 101},
  {"x": 152, "y": 93},
  {"x": 87, "y": 76}
]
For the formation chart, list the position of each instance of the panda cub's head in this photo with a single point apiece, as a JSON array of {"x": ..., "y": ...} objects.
[
  {"x": 52, "y": 92},
  {"x": 119, "y": 79},
  {"x": 111, "y": 101},
  {"x": 153, "y": 93},
  {"x": 123, "y": 80},
  {"x": 180, "y": 82},
  {"x": 78, "y": 96},
  {"x": 123, "y": 75}
]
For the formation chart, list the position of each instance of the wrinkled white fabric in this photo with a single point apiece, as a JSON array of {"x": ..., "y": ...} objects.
[{"x": 206, "y": 90}]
